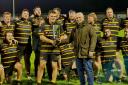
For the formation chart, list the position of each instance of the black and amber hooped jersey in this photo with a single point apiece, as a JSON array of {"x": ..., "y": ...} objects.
[
  {"x": 35, "y": 24},
  {"x": 123, "y": 45},
  {"x": 67, "y": 54},
  {"x": 108, "y": 47},
  {"x": 67, "y": 49},
  {"x": 4, "y": 28},
  {"x": 125, "y": 22},
  {"x": 112, "y": 24},
  {"x": 69, "y": 26},
  {"x": 23, "y": 31},
  {"x": 51, "y": 32},
  {"x": 8, "y": 55},
  {"x": 60, "y": 20}
]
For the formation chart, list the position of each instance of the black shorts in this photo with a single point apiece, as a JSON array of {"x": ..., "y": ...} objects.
[
  {"x": 51, "y": 57},
  {"x": 9, "y": 71},
  {"x": 67, "y": 54},
  {"x": 24, "y": 49}
]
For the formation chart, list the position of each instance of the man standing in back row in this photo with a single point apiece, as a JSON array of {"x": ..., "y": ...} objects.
[
  {"x": 22, "y": 34},
  {"x": 37, "y": 20}
]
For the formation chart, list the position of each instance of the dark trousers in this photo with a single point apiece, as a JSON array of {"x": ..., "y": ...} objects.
[
  {"x": 85, "y": 65},
  {"x": 36, "y": 48},
  {"x": 49, "y": 68},
  {"x": 108, "y": 69},
  {"x": 25, "y": 50},
  {"x": 126, "y": 63}
]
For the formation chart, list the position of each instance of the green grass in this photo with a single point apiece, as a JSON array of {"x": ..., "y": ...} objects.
[{"x": 59, "y": 82}]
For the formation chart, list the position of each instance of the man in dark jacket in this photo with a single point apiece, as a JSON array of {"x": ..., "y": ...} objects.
[
  {"x": 84, "y": 38},
  {"x": 37, "y": 20}
]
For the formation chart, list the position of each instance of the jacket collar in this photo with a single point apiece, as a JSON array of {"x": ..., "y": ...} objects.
[{"x": 81, "y": 24}]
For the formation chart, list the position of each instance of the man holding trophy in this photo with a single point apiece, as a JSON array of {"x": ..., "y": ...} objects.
[{"x": 50, "y": 38}]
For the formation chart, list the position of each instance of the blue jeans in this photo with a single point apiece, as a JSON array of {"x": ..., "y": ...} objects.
[
  {"x": 85, "y": 65},
  {"x": 108, "y": 69},
  {"x": 126, "y": 63}
]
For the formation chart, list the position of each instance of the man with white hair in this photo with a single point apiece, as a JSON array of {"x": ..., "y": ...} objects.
[{"x": 84, "y": 38}]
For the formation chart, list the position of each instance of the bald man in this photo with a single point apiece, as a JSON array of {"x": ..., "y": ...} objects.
[{"x": 84, "y": 38}]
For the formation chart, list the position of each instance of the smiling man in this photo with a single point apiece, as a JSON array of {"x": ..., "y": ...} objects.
[{"x": 84, "y": 38}]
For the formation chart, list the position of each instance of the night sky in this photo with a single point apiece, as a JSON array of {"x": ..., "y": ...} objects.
[{"x": 65, "y": 5}]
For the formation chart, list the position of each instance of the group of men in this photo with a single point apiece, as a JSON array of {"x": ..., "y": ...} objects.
[{"x": 59, "y": 41}]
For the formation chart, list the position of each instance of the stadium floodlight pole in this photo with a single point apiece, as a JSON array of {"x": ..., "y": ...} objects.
[
  {"x": 127, "y": 13},
  {"x": 37, "y": 3},
  {"x": 13, "y": 9}
]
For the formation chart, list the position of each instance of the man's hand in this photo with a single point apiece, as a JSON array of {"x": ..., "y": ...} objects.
[
  {"x": 63, "y": 37},
  {"x": 91, "y": 54},
  {"x": 15, "y": 41},
  {"x": 53, "y": 42},
  {"x": 1, "y": 24},
  {"x": 58, "y": 41},
  {"x": 41, "y": 22}
]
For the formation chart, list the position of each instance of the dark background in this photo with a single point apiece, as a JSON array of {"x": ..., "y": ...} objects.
[{"x": 65, "y": 5}]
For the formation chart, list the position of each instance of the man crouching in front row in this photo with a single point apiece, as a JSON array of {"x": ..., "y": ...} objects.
[{"x": 9, "y": 60}]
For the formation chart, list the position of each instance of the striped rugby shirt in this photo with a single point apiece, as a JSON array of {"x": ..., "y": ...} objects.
[
  {"x": 112, "y": 24},
  {"x": 61, "y": 20},
  {"x": 23, "y": 31},
  {"x": 35, "y": 24},
  {"x": 125, "y": 22},
  {"x": 108, "y": 47},
  {"x": 8, "y": 55},
  {"x": 52, "y": 32},
  {"x": 4, "y": 28},
  {"x": 67, "y": 53},
  {"x": 123, "y": 45}
]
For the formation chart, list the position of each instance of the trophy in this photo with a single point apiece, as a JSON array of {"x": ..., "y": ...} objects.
[
  {"x": 56, "y": 31},
  {"x": 56, "y": 34}
]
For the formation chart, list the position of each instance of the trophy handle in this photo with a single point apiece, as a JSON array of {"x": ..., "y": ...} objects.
[{"x": 56, "y": 31}]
